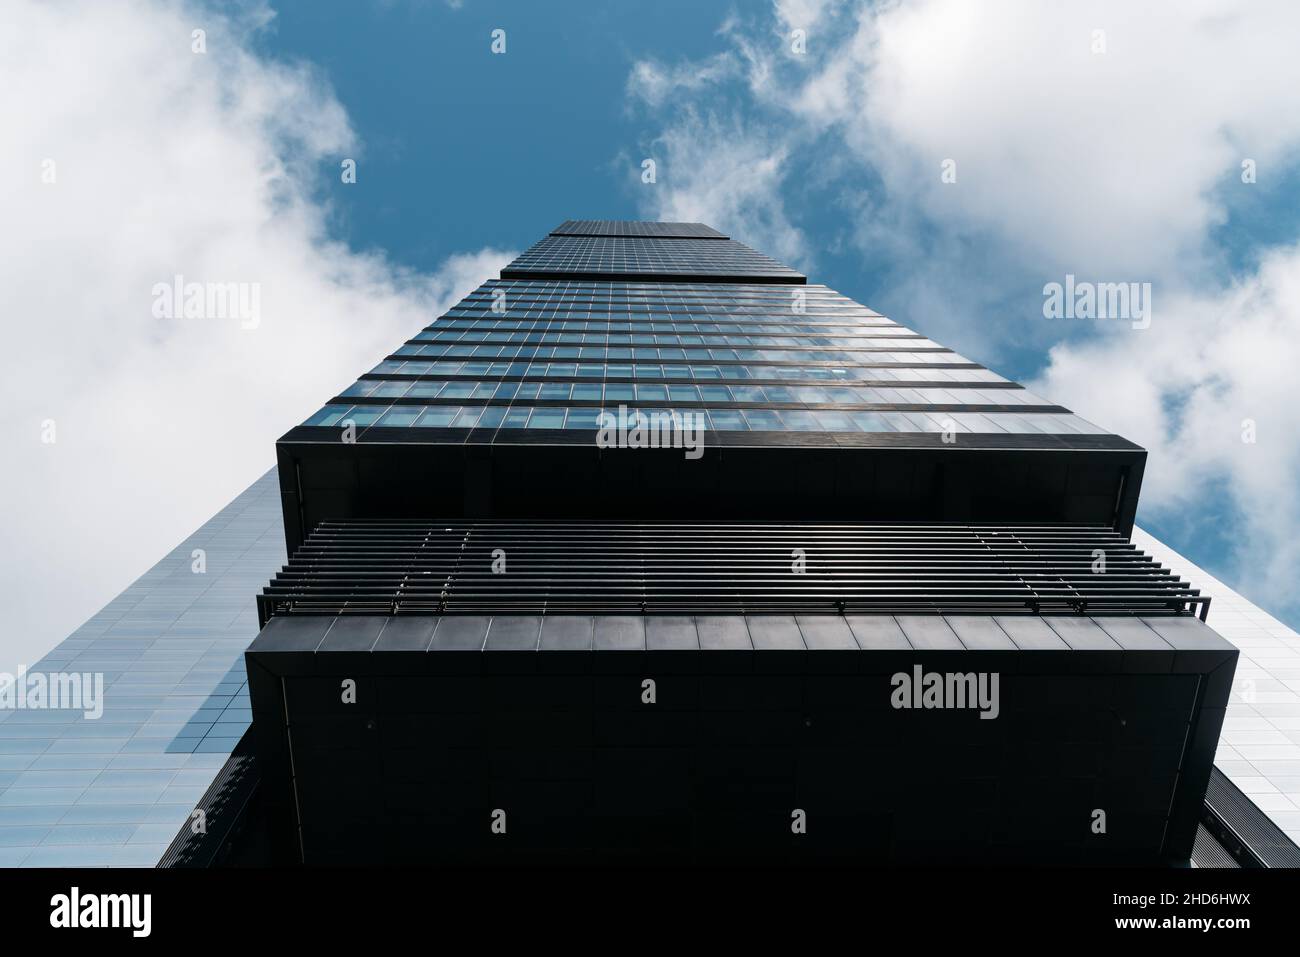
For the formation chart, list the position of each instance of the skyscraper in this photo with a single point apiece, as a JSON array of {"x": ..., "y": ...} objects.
[{"x": 650, "y": 549}]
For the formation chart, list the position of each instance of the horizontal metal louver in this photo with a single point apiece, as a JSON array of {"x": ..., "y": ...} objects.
[{"x": 420, "y": 567}]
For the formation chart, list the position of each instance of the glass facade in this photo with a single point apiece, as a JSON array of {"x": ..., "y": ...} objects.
[
  {"x": 768, "y": 357},
  {"x": 730, "y": 368},
  {"x": 114, "y": 791}
]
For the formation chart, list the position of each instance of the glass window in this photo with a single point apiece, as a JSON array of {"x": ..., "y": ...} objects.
[
  {"x": 400, "y": 416},
  {"x": 836, "y": 421},
  {"x": 1037, "y": 421},
  {"x": 583, "y": 419},
  {"x": 974, "y": 422},
  {"x": 683, "y": 393},
  {"x": 515, "y": 419},
  {"x": 619, "y": 393},
  {"x": 872, "y": 422},
  {"x": 1010, "y": 423},
  {"x": 458, "y": 390},
  {"x": 728, "y": 420},
  {"x": 800, "y": 420},
  {"x": 465, "y": 418},
  {"x": 1080, "y": 424},
  {"x": 437, "y": 417},
  {"x": 492, "y": 417},
  {"x": 364, "y": 387},
  {"x": 763, "y": 420},
  {"x": 329, "y": 415},
  {"x": 547, "y": 419}
]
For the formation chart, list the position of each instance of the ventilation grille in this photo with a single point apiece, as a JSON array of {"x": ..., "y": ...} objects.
[
  {"x": 222, "y": 805},
  {"x": 1243, "y": 829},
  {"x": 394, "y": 567}
]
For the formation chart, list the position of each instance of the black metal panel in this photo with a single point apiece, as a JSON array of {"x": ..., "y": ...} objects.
[
  {"x": 413, "y": 766},
  {"x": 800, "y": 477}
]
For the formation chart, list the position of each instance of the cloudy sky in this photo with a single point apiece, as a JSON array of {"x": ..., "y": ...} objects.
[{"x": 1102, "y": 140}]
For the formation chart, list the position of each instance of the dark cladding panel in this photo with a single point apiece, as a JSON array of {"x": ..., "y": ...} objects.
[
  {"x": 588, "y": 765},
  {"x": 567, "y": 633}
]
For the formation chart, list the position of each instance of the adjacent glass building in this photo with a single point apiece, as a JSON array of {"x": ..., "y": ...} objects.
[{"x": 623, "y": 558}]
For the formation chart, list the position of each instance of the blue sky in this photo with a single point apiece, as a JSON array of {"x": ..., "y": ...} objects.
[
  {"x": 1101, "y": 139},
  {"x": 462, "y": 148}
]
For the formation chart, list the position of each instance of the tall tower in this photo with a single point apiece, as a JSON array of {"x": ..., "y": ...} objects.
[{"x": 650, "y": 548}]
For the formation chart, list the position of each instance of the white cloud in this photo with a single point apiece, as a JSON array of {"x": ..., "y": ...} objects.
[
  {"x": 802, "y": 14},
  {"x": 167, "y": 162},
  {"x": 1112, "y": 156},
  {"x": 1219, "y": 369},
  {"x": 654, "y": 82},
  {"x": 727, "y": 175}
]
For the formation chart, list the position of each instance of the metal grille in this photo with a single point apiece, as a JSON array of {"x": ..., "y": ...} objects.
[
  {"x": 395, "y": 567},
  {"x": 1208, "y": 852},
  {"x": 223, "y": 804},
  {"x": 1243, "y": 829}
]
